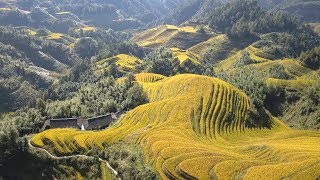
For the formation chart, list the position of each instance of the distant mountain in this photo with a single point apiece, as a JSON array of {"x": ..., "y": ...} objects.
[
  {"x": 116, "y": 14},
  {"x": 307, "y": 10},
  {"x": 201, "y": 10},
  {"x": 28, "y": 65}
]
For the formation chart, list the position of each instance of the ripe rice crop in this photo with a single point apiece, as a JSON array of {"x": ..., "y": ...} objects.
[
  {"x": 160, "y": 35},
  {"x": 194, "y": 128},
  {"x": 55, "y": 36},
  {"x": 183, "y": 55},
  {"x": 125, "y": 61}
]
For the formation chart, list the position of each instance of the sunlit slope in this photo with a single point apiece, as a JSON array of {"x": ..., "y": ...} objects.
[
  {"x": 171, "y": 36},
  {"x": 295, "y": 75},
  {"x": 183, "y": 55},
  {"x": 251, "y": 53},
  {"x": 124, "y": 61},
  {"x": 195, "y": 128},
  {"x": 148, "y": 77},
  {"x": 203, "y": 47}
]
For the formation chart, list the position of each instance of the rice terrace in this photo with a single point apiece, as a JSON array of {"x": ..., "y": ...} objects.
[
  {"x": 161, "y": 89},
  {"x": 192, "y": 135}
]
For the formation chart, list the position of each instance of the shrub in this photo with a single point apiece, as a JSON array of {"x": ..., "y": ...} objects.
[
  {"x": 311, "y": 58},
  {"x": 86, "y": 47}
]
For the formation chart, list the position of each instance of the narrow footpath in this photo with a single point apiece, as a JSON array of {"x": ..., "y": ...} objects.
[{"x": 73, "y": 156}]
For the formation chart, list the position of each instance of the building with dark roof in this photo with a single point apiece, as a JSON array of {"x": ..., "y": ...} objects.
[{"x": 94, "y": 123}]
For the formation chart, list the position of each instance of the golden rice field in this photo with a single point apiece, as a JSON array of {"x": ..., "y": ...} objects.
[
  {"x": 54, "y": 36},
  {"x": 194, "y": 128},
  {"x": 302, "y": 76},
  {"x": 63, "y": 13},
  {"x": 5, "y": 9},
  {"x": 144, "y": 78},
  {"x": 160, "y": 35},
  {"x": 183, "y": 55},
  {"x": 189, "y": 29},
  {"x": 229, "y": 63},
  {"x": 31, "y": 32},
  {"x": 252, "y": 54},
  {"x": 295, "y": 83},
  {"x": 126, "y": 62},
  {"x": 291, "y": 66},
  {"x": 201, "y": 48},
  {"x": 86, "y": 29}
]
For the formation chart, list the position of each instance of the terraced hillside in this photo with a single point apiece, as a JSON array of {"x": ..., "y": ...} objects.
[
  {"x": 183, "y": 55},
  {"x": 195, "y": 127},
  {"x": 171, "y": 36},
  {"x": 295, "y": 75},
  {"x": 124, "y": 61},
  {"x": 148, "y": 77}
]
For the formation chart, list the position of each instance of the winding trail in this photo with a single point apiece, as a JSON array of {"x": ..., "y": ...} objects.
[{"x": 73, "y": 156}]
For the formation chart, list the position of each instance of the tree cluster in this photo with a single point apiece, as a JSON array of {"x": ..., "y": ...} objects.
[{"x": 311, "y": 58}]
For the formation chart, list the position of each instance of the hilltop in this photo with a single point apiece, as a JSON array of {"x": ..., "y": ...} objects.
[
  {"x": 125, "y": 62},
  {"x": 171, "y": 36}
]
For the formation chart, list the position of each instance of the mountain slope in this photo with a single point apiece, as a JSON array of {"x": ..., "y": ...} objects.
[
  {"x": 171, "y": 36},
  {"x": 61, "y": 14},
  {"x": 191, "y": 131},
  {"x": 125, "y": 62},
  {"x": 308, "y": 10}
]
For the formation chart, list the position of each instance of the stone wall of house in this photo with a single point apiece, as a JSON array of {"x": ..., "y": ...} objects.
[
  {"x": 100, "y": 122},
  {"x": 94, "y": 123}
]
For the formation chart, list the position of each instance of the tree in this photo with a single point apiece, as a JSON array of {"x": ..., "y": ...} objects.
[
  {"x": 311, "y": 58},
  {"x": 86, "y": 47},
  {"x": 136, "y": 96},
  {"x": 161, "y": 61},
  {"x": 129, "y": 79}
]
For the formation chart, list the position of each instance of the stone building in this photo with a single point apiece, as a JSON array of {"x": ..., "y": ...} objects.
[{"x": 94, "y": 123}]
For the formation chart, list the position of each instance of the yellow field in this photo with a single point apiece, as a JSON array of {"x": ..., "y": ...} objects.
[
  {"x": 302, "y": 77},
  {"x": 228, "y": 63},
  {"x": 88, "y": 28},
  {"x": 55, "y": 36},
  {"x": 189, "y": 29},
  {"x": 232, "y": 60},
  {"x": 252, "y": 50},
  {"x": 201, "y": 48},
  {"x": 295, "y": 83},
  {"x": 144, "y": 78},
  {"x": 195, "y": 128},
  {"x": 183, "y": 55},
  {"x": 31, "y": 32},
  {"x": 126, "y": 62},
  {"x": 160, "y": 35},
  {"x": 5, "y": 9},
  {"x": 63, "y": 13}
]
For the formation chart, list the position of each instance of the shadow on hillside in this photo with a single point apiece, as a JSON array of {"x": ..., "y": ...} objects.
[{"x": 258, "y": 118}]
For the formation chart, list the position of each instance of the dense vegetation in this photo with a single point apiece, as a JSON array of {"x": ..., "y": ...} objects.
[
  {"x": 311, "y": 58},
  {"x": 128, "y": 161}
]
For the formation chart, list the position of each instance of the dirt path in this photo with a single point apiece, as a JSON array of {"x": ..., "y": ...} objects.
[{"x": 72, "y": 156}]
